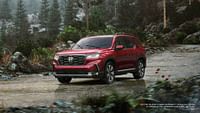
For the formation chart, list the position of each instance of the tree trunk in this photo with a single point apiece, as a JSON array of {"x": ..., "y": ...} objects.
[
  {"x": 190, "y": 2},
  {"x": 164, "y": 14}
]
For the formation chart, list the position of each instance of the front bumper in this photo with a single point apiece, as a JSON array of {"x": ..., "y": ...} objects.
[{"x": 82, "y": 71}]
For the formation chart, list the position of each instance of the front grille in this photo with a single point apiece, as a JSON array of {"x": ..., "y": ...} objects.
[{"x": 71, "y": 60}]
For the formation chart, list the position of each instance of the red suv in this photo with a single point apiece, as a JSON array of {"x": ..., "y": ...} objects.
[{"x": 101, "y": 57}]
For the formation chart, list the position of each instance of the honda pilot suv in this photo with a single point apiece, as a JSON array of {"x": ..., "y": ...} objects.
[{"x": 101, "y": 57}]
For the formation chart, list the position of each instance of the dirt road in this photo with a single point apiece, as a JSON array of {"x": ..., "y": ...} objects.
[{"x": 177, "y": 62}]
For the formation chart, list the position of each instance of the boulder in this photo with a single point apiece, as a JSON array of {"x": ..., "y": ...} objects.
[
  {"x": 193, "y": 38},
  {"x": 60, "y": 46},
  {"x": 19, "y": 63}
]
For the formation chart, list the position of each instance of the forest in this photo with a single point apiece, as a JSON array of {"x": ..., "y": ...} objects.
[
  {"x": 28, "y": 25},
  {"x": 32, "y": 31}
]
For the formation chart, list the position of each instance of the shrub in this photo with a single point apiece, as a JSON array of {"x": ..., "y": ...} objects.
[
  {"x": 45, "y": 42},
  {"x": 189, "y": 27},
  {"x": 154, "y": 40},
  {"x": 114, "y": 103},
  {"x": 42, "y": 56},
  {"x": 26, "y": 46},
  {"x": 1, "y": 53},
  {"x": 180, "y": 36},
  {"x": 70, "y": 33}
]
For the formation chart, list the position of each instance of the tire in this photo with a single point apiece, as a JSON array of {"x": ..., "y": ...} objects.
[
  {"x": 109, "y": 73},
  {"x": 64, "y": 80},
  {"x": 140, "y": 70}
]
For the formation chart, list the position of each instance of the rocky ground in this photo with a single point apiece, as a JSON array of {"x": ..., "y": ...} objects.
[{"x": 177, "y": 65}]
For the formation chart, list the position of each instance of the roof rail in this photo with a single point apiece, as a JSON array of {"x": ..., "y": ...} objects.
[{"x": 123, "y": 33}]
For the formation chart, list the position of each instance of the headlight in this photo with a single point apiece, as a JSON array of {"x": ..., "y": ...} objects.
[
  {"x": 93, "y": 56},
  {"x": 56, "y": 57}
]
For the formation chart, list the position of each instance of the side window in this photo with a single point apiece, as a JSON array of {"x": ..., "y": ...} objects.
[
  {"x": 125, "y": 41},
  {"x": 129, "y": 42},
  {"x": 120, "y": 41}
]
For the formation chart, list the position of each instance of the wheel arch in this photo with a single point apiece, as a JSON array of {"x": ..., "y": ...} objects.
[{"x": 143, "y": 59}]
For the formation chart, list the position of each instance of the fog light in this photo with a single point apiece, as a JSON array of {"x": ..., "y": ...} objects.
[{"x": 90, "y": 73}]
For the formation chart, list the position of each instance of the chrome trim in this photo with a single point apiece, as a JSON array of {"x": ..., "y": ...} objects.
[
  {"x": 74, "y": 75},
  {"x": 97, "y": 66},
  {"x": 130, "y": 69}
]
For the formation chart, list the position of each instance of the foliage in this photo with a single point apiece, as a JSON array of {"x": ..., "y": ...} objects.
[
  {"x": 44, "y": 41},
  {"x": 114, "y": 103},
  {"x": 44, "y": 13},
  {"x": 180, "y": 36},
  {"x": 70, "y": 33},
  {"x": 70, "y": 12},
  {"x": 155, "y": 40},
  {"x": 1, "y": 53},
  {"x": 97, "y": 18},
  {"x": 42, "y": 55},
  {"x": 54, "y": 20},
  {"x": 21, "y": 22},
  {"x": 126, "y": 13},
  {"x": 26, "y": 46},
  {"x": 148, "y": 12},
  {"x": 5, "y": 10},
  {"x": 74, "y": 34},
  {"x": 189, "y": 27}
]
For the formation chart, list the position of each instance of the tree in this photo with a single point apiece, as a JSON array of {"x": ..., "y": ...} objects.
[
  {"x": 97, "y": 19},
  {"x": 2, "y": 32},
  {"x": 70, "y": 13},
  {"x": 21, "y": 22},
  {"x": 5, "y": 10},
  {"x": 147, "y": 12},
  {"x": 126, "y": 13},
  {"x": 190, "y": 2},
  {"x": 54, "y": 19},
  {"x": 44, "y": 13}
]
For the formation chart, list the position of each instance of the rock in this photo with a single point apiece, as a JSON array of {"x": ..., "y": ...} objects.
[
  {"x": 193, "y": 38},
  {"x": 38, "y": 68},
  {"x": 60, "y": 46},
  {"x": 62, "y": 103},
  {"x": 181, "y": 9},
  {"x": 19, "y": 63},
  {"x": 5, "y": 77}
]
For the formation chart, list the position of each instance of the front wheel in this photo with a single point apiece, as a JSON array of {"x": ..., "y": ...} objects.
[
  {"x": 109, "y": 73},
  {"x": 64, "y": 80},
  {"x": 140, "y": 70}
]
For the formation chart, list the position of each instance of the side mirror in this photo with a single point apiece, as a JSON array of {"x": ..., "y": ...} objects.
[{"x": 119, "y": 47}]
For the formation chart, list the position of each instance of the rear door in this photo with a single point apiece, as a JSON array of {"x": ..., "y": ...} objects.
[{"x": 132, "y": 52}]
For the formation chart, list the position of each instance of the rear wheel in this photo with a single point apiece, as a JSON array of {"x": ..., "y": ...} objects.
[
  {"x": 140, "y": 71},
  {"x": 64, "y": 80},
  {"x": 109, "y": 73}
]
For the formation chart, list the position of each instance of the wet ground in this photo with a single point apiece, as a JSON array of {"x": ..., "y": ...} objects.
[{"x": 175, "y": 63}]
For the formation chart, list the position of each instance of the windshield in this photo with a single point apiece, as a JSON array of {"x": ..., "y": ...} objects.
[{"x": 92, "y": 43}]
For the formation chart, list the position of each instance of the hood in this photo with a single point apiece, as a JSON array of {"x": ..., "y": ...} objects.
[{"x": 81, "y": 51}]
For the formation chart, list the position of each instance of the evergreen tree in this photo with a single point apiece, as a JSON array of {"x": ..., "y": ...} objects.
[
  {"x": 54, "y": 19},
  {"x": 44, "y": 13},
  {"x": 5, "y": 10},
  {"x": 70, "y": 13},
  {"x": 21, "y": 22},
  {"x": 97, "y": 19},
  {"x": 126, "y": 13},
  {"x": 2, "y": 32}
]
